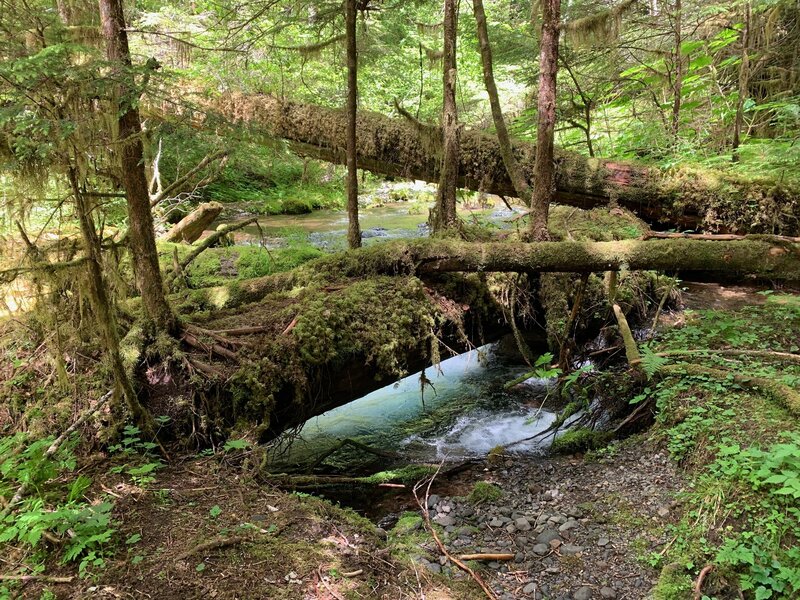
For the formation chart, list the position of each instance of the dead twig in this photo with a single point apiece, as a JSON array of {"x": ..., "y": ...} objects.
[
  {"x": 44, "y": 578},
  {"x": 487, "y": 556}
]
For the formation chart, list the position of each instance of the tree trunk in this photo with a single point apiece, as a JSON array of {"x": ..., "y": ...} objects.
[
  {"x": 765, "y": 258},
  {"x": 354, "y": 229},
  {"x": 515, "y": 174},
  {"x": 677, "y": 85},
  {"x": 101, "y": 306},
  {"x": 445, "y": 216},
  {"x": 141, "y": 235},
  {"x": 192, "y": 226},
  {"x": 681, "y": 197},
  {"x": 744, "y": 79},
  {"x": 544, "y": 170}
]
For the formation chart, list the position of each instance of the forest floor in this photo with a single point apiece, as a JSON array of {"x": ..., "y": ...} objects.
[{"x": 604, "y": 524}]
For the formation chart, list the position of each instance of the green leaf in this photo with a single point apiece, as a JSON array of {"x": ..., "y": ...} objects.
[{"x": 215, "y": 511}]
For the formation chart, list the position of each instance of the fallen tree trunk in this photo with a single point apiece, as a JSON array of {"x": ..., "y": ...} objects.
[
  {"x": 761, "y": 257},
  {"x": 684, "y": 197},
  {"x": 192, "y": 226}
]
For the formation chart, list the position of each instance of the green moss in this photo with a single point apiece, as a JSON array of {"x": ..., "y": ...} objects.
[
  {"x": 580, "y": 440},
  {"x": 409, "y": 474},
  {"x": 674, "y": 583},
  {"x": 484, "y": 492}
]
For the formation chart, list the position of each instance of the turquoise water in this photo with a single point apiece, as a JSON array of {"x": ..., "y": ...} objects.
[{"x": 464, "y": 413}]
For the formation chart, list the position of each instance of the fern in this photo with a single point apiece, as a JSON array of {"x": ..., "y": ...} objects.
[{"x": 651, "y": 362}]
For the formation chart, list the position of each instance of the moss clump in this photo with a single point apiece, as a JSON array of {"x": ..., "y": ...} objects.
[
  {"x": 297, "y": 206},
  {"x": 484, "y": 492},
  {"x": 580, "y": 440},
  {"x": 408, "y": 474},
  {"x": 674, "y": 583}
]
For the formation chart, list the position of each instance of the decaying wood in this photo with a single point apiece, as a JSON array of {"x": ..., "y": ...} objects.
[
  {"x": 395, "y": 147},
  {"x": 191, "y": 227},
  {"x": 182, "y": 182},
  {"x": 212, "y": 239}
]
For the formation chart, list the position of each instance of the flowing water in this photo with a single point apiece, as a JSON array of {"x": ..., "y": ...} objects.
[{"x": 464, "y": 413}]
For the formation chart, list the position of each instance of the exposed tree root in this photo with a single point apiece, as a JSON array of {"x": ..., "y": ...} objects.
[{"x": 219, "y": 542}]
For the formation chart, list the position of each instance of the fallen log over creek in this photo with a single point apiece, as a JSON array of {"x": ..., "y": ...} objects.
[
  {"x": 761, "y": 257},
  {"x": 682, "y": 197}
]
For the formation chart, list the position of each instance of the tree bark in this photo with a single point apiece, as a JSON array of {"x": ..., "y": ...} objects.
[
  {"x": 445, "y": 215},
  {"x": 191, "y": 227},
  {"x": 101, "y": 306},
  {"x": 544, "y": 170},
  {"x": 515, "y": 174},
  {"x": 141, "y": 235},
  {"x": 353, "y": 229},
  {"x": 744, "y": 78},
  {"x": 683, "y": 198}
]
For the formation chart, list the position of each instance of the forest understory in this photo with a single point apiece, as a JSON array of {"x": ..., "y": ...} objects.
[{"x": 433, "y": 300}]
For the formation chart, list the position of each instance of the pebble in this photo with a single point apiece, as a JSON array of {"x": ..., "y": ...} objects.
[
  {"x": 444, "y": 520},
  {"x": 570, "y": 524},
  {"x": 541, "y": 549},
  {"x": 603, "y": 541},
  {"x": 522, "y": 524},
  {"x": 571, "y": 549},
  {"x": 584, "y": 593},
  {"x": 608, "y": 593},
  {"x": 547, "y": 536}
]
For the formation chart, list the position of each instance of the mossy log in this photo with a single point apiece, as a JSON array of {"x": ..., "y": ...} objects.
[
  {"x": 761, "y": 258},
  {"x": 685, "y": 197},
  {"x": 192, "y": 226}
]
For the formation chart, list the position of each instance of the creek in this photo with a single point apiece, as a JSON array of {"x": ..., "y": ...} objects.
[{"x": 463, "y": 413}]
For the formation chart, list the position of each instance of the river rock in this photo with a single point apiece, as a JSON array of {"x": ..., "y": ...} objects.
[
  {"x": 584, "y": 593},
  {"x": 433, "y": 500},
  {"x": 547, "y": 536},
  {"x": 541, "y": 549},
  {"x": 496, "y": 522},
  {"x": 570, "y": 549},
  {"x": 444, "y": 520},
  {"x": 522, "y": 524},
  {"x": 569, "y": 524}
]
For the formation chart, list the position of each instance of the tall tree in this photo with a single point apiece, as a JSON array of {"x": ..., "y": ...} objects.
[
  {"x": 677, "y": 84},
  {"x": 141, "y": 235},
  {"x": 744, "y": 80},
  {"x": 506, "y": 150},
  {"x": 445, "y": 215},
  {"x": 544, "y": 169},
  {"x": 353, "y": 230}
]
